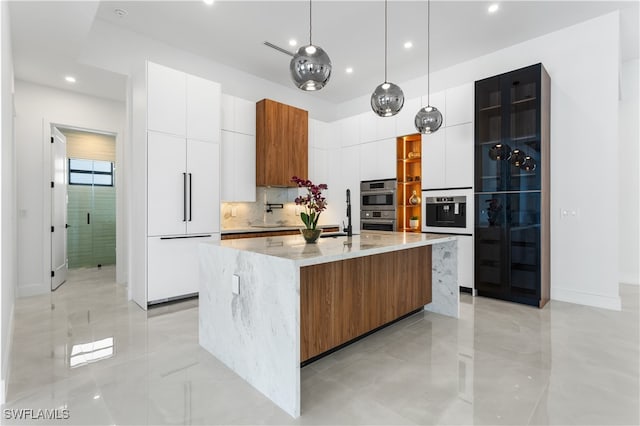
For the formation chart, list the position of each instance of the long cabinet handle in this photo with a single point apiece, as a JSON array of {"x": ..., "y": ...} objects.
[
  {"x": 184, "y": 197},
  {"x": 88, "y": 218},
  {"x": 184, "y": 237},
  {"x": 190, "y": 196}
]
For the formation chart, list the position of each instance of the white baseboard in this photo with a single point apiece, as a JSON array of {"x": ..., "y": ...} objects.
[
  {"x": 26, "y": 290},
  {"x": 590, "y": 299},
  {"x": 6, "y": 359}
]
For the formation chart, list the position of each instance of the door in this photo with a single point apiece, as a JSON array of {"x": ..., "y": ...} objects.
[
  {"x": 58, "y": 209},
  {"x": 167, "y": 184},
  {"x": 203, "y": 187}
]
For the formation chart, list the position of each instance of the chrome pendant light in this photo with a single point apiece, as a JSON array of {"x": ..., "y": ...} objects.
[
  {"x": 310, "y": 67},
  {"x": 387, "y": 99},
  {"x": 428, "y": 119}
]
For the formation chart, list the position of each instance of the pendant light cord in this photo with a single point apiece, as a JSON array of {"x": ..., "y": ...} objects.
[
  {"x": 428, "y": 51},
  {"x": 385, "y": 41},
  {"x": 310, "y": 23}
]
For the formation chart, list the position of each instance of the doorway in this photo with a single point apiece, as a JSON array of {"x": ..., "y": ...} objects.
[{"x": 91, "y": 199}]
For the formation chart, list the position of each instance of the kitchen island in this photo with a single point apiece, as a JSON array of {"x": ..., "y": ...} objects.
[{"x": 268, "y": 304}]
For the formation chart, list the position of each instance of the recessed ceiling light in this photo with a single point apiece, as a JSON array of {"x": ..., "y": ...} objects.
[
  {"x": 208, "y": 2},
  {"x": 293, "y": 42},
  {"x": 408, "y": 45},
  {"x": 120, "y": 12},
  {"x": 349, "y": 70},
  {"x": 70, "y": 79},
  {"x": 493, "y": 8}
]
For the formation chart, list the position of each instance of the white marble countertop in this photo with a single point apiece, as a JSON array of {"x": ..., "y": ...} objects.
[
  {"x": 294, "y": 248},
  {"x": 268, "y": 228}
]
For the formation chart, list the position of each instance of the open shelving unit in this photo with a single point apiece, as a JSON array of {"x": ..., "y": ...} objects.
[{"x": 409, "y": 175}]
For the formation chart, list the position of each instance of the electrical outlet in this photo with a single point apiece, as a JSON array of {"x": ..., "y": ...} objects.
[
  {"x": 234, "y": 211},
  {"x": 235, "y": 284}
]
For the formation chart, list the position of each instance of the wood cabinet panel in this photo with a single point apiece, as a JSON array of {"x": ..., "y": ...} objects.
[
  {"x": 282, "y": 133},
  {"x": 377, "y": 298},
  {"x": 348, "y": 310},
  {"x": 340, "y": 301},
  {"x": 316, "y": 308}
]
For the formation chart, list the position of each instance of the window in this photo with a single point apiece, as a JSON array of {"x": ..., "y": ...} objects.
[{"x": 90, "y": 172}]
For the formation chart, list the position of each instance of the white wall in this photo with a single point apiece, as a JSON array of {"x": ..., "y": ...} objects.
[
  {"x": 122, "y": 51},
  {"x": 629, "y": 189},
  {"x": 583, "y": 62},
  {"x": 7, "y": 200},
  {"x": 35, "y": 105}
]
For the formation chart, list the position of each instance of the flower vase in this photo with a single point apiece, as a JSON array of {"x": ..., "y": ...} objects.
[{"x": 310, "y": 235}]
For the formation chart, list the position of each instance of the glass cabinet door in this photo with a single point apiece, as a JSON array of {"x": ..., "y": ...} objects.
[
  {"x": 523, "y": 218},
  {"x": 491, "y": 152},
  {"x": 523, "y": 89},
  {"x": 491, "y": 248}
]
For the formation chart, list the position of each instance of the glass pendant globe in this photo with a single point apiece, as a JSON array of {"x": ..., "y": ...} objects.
[
  {"x": 310, "y": 68},
  {"x": 517, "y": 158},
  {"x": 387, "y": 99},
  {"x": 428, "y": 120}
]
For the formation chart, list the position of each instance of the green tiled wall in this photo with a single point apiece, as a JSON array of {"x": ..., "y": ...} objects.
[{"x": 95, "y": 243}]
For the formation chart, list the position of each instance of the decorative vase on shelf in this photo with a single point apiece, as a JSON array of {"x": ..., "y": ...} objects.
[
  {"x": 413, "y": 223},
  {"x": 310, "y": 235},
  {"x": 414, "y": 199}
]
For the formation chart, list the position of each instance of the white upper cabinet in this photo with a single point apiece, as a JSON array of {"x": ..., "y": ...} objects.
[
  {"x": 238, "y": 115},
  {"x": 166, "y": 99},
  {"x": 238, "y": 167},
  {"x": 378, "y": 160},
  {"x": 405, "y": 123},
  {"x": 318, "y": 165},
  {"x": 228, "y": 113},
  {"x": 459, "y": 107},
  {"x": 238, "y": 150},
  {"x": 386, "y": 127},
  {"x": 374, "y": 128},
  {"x": 349, "y": 131},
  {"x": 447, "y": 158},
  {"x": 245, "y": 116},
  {"x": 203, "y": 109},
  {"x": 367, "y": 122},
  {"x": 433, "y": 160},
  {"x": 459, "y": 156}
]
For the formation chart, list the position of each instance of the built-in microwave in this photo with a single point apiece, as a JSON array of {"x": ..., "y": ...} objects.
[
  {"x": 378, "y": 194},
  {"x": 448, "y": 211}
]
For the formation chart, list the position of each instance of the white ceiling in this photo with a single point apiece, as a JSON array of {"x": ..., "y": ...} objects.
[{"x": 48, "y": 37}]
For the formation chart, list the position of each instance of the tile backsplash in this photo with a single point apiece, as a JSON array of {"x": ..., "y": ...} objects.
[{"x": 251, "y": 214}]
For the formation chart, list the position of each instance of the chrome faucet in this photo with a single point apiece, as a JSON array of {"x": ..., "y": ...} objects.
[{"x": 348, "y": 229}]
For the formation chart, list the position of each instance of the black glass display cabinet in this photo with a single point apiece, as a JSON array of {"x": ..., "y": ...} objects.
[{"x": 512, "y": 186}]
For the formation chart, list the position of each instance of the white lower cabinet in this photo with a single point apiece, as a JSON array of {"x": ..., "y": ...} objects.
[
  {"x": 465, "y": 261},
  {"x": 173, "y": 266}
]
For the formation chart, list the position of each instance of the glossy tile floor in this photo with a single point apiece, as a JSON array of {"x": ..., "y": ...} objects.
[{"x": 86, "y": 349}]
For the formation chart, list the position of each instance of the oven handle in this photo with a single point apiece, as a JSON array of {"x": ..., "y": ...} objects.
[
  {"x": 386, "y": 191},
  {"x": 380, "y": 221}
]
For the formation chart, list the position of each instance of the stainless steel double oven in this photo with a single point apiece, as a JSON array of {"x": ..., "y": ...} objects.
[{"x": 378, "y": 205}]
